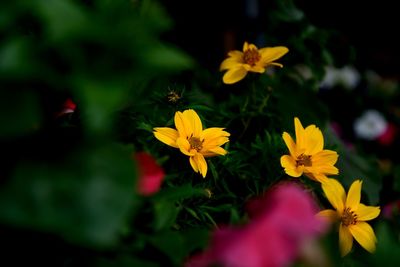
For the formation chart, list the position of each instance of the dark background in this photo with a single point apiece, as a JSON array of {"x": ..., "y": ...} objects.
[{"x": 368, "y": 26}]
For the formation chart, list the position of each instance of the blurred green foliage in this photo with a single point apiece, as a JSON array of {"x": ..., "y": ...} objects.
[{"x": 68, "y": 182}]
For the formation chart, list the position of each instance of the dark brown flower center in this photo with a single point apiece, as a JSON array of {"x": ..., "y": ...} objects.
[
  {"x": 349, "y": 217},
  {"x": 251, "y": 56},
  {"x": 195, "y": 143},
  {"x": 303, "y": 160}
]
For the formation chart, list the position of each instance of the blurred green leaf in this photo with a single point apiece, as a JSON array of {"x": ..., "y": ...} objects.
[
  {"x": 396, "y": 180},
  {"x": 165, "y": 213},
  {"x": 171, "y": 244},
  {"x": 20, "y": 113},
  {"x": 179, "y": 193},
  {"x": 86, "y": 200},
  {"x": 155, "y": 12},
  {"x": 388, "y": 247},
  {"x": 352, "y": 167},
  {"x": 166, "y": 58},
  {"x": 287, "y": 11},
  {"x": 15, "y": 56},
  {"x": 100, "y": 102},
  {"x": 125, "y": 261},
  {"x": 63, "y": 18}
]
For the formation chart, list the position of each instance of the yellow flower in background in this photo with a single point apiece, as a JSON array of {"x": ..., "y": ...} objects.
[
  {"x": 307, "y": 154},
  {"x": 192, "y": 140},
  {"x": 251, "y": 59},
  {"x": 351, "y": 214}
]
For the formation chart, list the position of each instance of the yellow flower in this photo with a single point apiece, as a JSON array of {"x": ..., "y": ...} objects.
[
  {"x": 251, "y": 59},
  {"x": 192, "y": 140},
  {"x": 307, "y": 154},
  {"x": 351, "y": 214}
]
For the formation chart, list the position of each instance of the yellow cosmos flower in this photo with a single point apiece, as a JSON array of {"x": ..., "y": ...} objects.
[
  {"x": 251, "y": 59},
  {"x": 192, "y": 140},
  {"x": 307, "y": 154},
  {"x": 351, "y": 214}
]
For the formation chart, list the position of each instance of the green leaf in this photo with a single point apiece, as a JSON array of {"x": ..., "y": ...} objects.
[{"x": 193, "y": 213}]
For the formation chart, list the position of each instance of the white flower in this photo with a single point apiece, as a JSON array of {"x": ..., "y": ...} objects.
[
  {"x": 347, "y": 77},
  {"x": 370, "y": 125}
]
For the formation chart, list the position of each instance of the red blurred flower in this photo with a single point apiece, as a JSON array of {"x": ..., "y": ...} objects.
[
  {"x": 151, "y": 174},
  {"x": 282, "y": 222},
  {"x": 388, "y": 135},
  {"x": 68, "y": 107}
]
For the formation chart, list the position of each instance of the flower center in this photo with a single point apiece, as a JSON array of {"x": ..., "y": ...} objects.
[
  {"x": 251, "y": 56},
  {"x": 195, "y": 143},
  {"x": 349, "y": 217},
  {"x": 303, "y": 160}
]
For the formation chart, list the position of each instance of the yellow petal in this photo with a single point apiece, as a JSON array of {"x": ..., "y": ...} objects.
[
  {"x": 208, "y": 154},
  {"x": 201, "y": 165},
  {"x": 290, "y": 144},
  {"x": 270, "y": 54},
  {"x": 251, "y": 47},
  {"x": 289, "y": 164},
  {"x": 219, "y": 151},
  {"x": 213, "y": 132},
  {"x": 257, "y": 69},
  {"x": 323, "y": 162},
  {"x": 325, "y": 157},
  {"x": 234, "y": 75},
  {"x": 236, "y": 54},
  {"x": 213, "y": 137},
  {"x": 245, "y": 46},
  {"x": 193, "y": 163},
  {"x": 313, "y": 140},
  {"x": 317, "y": 169},
  {"x": 299, "y": 133},
  {"x": 214, "y": 142},
  {"x": 345, "y": 240},
  {"x": 335, "y": 193},
  {"x": 195, "y": 125},
  {"x": 329, "y": 215},
  {"x": 182, "y": 125},
  {"x": 275, "y": 64},
  {"x": 184, "y": 146},
  {"x": 354, "y": 195},
  {"x": 246, "y": 66},
  {"x": 364, "y": 235},
  {"x": 166, "y": 135},
  {"x": 230, "y": 63},
  {"x": 319, "y": 177},
  {"x": 366, "y": 213}
]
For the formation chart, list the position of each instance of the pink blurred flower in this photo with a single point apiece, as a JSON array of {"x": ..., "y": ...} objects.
[
  {"x": 151, "y": 174},
  {"x": 282, "y": 221},
  {"x": 391, "y": 209}
]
